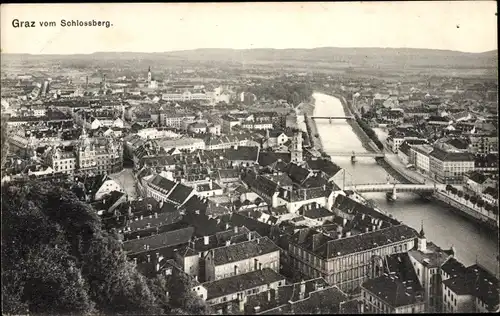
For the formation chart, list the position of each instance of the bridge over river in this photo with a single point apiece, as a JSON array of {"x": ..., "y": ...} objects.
[
  {"x": 395, "y": 187},
  {"x": 346, "y": 117},
  {"x": 356, "y": 154}
]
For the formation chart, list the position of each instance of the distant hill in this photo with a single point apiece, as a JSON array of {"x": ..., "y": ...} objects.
[{"x": 346, "y": 57}]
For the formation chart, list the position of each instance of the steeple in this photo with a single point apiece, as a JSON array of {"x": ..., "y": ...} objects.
[
  {"x": 422, "y": 233},
  {"x": 421, "y": 240}
]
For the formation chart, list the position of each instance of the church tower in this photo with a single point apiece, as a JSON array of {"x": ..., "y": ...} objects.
[
  {"x": 421, "y": 240},
  {"x": 149, "y": 76},
  {"x": 296, "y": 150}
]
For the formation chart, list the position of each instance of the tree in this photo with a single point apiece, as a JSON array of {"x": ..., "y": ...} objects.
[
  {"x": 466, "y": 196},
  {"x": 480, "y": 203},
  {"x": 182, "y": 296},
  {"x": 460, "y": 193},
  {"x": 448, "y": 187},
  {"x": 58, "y": 260},
  {"x": 473, "y": 199}
]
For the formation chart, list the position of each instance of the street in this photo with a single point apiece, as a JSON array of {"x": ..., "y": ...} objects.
[{"x": 125, "y": 179}]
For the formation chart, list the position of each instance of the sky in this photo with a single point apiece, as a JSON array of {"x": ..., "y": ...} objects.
[{"x": 468, "y": 26}]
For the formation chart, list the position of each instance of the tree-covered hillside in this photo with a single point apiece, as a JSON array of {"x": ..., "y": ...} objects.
[{"x": 56, "y": 260}]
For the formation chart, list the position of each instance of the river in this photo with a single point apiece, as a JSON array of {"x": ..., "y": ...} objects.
[{"x": 441, "y": 225}]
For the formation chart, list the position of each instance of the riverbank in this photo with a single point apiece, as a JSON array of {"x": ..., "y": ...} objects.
[
  {"x": 366, "y": 141},
  {"x": 443, "y": 224},
  {"x": 306, "y": 109},
  {"x": 466, "y": 211}
]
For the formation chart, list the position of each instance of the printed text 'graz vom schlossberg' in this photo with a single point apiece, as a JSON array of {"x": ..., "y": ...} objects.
[{"x": 16, "y": 23}]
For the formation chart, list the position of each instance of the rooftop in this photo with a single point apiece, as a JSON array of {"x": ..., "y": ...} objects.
[
  {"x": 244, "y": 250},
  {"x": 391, "y": 289},
  {"x": 241, "y": 282}
]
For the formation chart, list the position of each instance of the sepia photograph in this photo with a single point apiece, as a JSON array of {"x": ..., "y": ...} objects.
[{"x": 249, "y": 158}]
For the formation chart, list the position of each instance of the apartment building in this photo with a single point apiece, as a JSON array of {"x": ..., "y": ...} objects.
[
  {"x": 241, "y": 258},
  {"x": 347, "y": 260},
  {"x": 469, "y": 290},
  {"x": 447, "y": 166},
  {"x": 232, "y": 288},
  {"x": 174, "y": 119},
  {"x": 388, "y": 294},
  {"x": 484, "y": 143},
  {"x": 163, "y": 189},
  {"x": 421, "y": 156},
  {"x": 99, "y": 155}
]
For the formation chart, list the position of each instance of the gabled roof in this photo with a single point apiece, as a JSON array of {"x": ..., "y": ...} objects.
[
  {"x": 366, "y": 241},
  {"x": 478, "y": 177},
  {"x": 241, "y": 282},
  {"x": 163, "y": 183},
  {"x": 325, "y": 165},
  {"x": 315, "y": 212},
  {"x": 244, "y": 250},
  {"x": 242, "y": 153},
  {"x": 391, "y": 289},
  {"x": 478, "y": 282},
  {"x": 167, "y": 239},
  {"x": 267, "y": 158},
  {"x": 297, "y": 173},
  {"x": 180, "y": 193},
  {"x": 453, "y": 267},
  {"x": 443, "y": 155}
]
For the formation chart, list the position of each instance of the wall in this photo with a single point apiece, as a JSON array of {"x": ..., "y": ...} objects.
[
  {"x": 270, "y": 260},
  {"x": 234, "y": 296},
  {"x": 347, "y": 272},
  {"x": 212, "y": 272}
]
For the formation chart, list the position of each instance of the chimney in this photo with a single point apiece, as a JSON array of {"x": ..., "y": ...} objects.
[
  {"x": 269, "y": 295},
  {"x": 339, "y": 235},
  {"x": 205, "y": 240},
  {"x": 236, "y": 269},
  {"x": 260, "y": 265},
  {"x": 344, "y": 222},
  {"x": 156, "y": 215},
  {"x": 367, "y": 229},
  {"x": 235, "y": 229},
  {"x": 374, "y": 227},
  {"x": 348, "y": 234},
  {"x": 135, "y": 261},
  {"x": 249, "y": 236},
  {"x": 149, "y": 258},
  {"x": 228, "y": 242},
  {"x": 227, "y": 226},
  {"x": 142, "y": 217}
]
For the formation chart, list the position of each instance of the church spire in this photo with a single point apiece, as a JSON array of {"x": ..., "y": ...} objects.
[{"x": 422, "y": 233}]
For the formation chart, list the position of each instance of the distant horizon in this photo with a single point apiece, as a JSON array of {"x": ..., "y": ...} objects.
[{"x": 254, "y": 49}]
